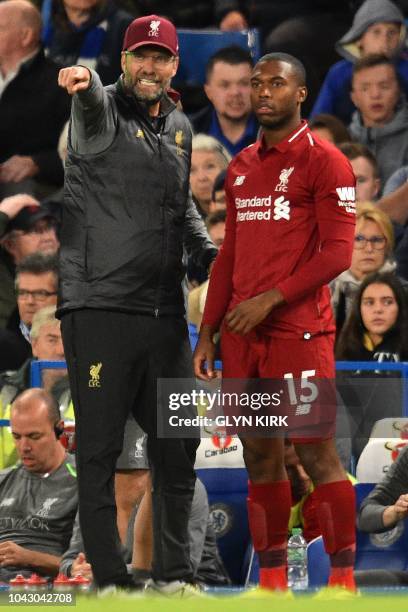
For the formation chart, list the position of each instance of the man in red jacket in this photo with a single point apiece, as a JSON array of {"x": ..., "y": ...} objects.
[{"x": 289, "y": 231}]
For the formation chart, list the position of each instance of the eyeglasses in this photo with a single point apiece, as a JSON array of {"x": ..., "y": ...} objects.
[
  {"x": 377, "y": 242},
  {"x": 38, "y": 295},
  {"x": 160, "y": 61}
]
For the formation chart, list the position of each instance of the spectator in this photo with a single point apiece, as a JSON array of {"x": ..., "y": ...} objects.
[
  {"x": 86, "y": 32},
  {"x": 216, "y": 226},
  {"x": 381, "y": 121},
  {"x": 365, "y": 170},
  {"x": 372, "y": 252},
  {"x": 36, "y": 287},
  {"x": 39, "y": 496},
  {"x": 376, "y": 330},
  {"x": 387, "y": 504},
  {"x": 329, "y": 127},
  {"x": 33, "y": 109},
  {"x": 46, "y": 344},
  {"x": 183, "y": 13},
  {"x": 378, "y": 27},
  {"x": 383, "y": 509},
  {"x": 205, "y": 559},
  {"x": 25, "y": 228},
  {"x": 197, "y": 296},
  {"x": 228, "y": 118},
  {"x": 208, "y": 159},
  {"x": 218, "y": 201}
]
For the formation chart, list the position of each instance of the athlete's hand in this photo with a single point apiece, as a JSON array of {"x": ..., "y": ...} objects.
[
  {"x": 74, "y": 79},
  {"x": 81, "y": 567},
  {"x": 13, "y": 554},
  {"x": 248, "y": 314},
  {"x": 203, "y": 358},
  {"x": 396, "y": 512}
]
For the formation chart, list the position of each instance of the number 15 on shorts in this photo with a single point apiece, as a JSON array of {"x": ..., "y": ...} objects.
[{"x": 303, "y": 397}]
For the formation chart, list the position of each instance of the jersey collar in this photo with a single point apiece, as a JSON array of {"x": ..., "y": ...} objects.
[{"x": 289, "y": 140}]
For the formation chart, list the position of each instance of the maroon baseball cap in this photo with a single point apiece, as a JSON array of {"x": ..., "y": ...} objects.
[{"x": 151, "y": 30}]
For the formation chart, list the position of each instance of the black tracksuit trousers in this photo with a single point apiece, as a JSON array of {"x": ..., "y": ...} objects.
[{"x": 114, "y": 360}]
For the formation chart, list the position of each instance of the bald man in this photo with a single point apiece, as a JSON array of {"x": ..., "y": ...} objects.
[
  {"x": 33, "y": 109},
  {"x": 38, "y": 497}
]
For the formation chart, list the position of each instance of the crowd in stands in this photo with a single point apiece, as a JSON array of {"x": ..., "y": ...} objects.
[{"x": 358, "y": 103}]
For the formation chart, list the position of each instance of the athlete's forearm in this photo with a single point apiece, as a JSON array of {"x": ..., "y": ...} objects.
[
  {"x": 43, "y": 562},
  {"x": 333, "y": 258}
]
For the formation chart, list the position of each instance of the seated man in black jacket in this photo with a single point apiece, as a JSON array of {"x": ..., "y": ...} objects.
[{"x": 33, "y": 109}]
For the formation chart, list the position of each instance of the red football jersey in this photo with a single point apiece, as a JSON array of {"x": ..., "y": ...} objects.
[{"x": 290, "y": 225}]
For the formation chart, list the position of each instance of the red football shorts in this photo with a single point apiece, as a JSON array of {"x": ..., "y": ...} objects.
[{"x": 300, "y": 369}]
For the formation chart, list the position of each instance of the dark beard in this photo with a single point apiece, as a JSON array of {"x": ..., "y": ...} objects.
[{"x": 147, "y": 100}]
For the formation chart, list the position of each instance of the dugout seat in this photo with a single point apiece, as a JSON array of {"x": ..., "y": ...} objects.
[
  {"x": 198, "y": 45},
  {"x": 220, "y": 467},
  {"x": 388, "y": 550},
  {"x": 376, "y": 458},
  {"x": 396, "y": 427}
]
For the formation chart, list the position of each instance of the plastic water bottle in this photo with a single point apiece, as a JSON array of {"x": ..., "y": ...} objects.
[{"x": 297, "y": 561}]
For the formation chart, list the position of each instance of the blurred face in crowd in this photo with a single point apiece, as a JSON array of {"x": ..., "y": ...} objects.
[
  {"x": 367, "y": 184},
  {"x": 148, "y": 71},
  {"x": 383, "y": 38},
  {"x": 217, "y": 233},
  {"x": 375, "y": 93},
  {"x": 34, "y": 291},
  {"x": 79, "y": 11},
  {"x": 228, "y": 89},
  {"x": 219, "y": 201},
  {"x": 323, "y": 133},
  {"x": 42, "y": 237},
  {"x": 205, "y": 167},
  {"x": 379, "y": 310},
  {"x": 369, "y": 252},
  {"x": 48, "y": 344},
  {"x": 34, "y": 437}
]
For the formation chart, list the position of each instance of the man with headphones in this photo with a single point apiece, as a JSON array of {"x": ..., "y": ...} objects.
[{"x": 39, "y": 498}]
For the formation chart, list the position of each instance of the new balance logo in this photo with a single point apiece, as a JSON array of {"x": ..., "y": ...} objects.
[
  {"x": 346, "y": 193},
  {"x": 239, "y": 180},
  {"x": 303, "y": 409},
  {"x": 281, "y": 209}
]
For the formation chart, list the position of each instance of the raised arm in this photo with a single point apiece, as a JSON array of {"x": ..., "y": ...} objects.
[{"x": 93, "y": 123}]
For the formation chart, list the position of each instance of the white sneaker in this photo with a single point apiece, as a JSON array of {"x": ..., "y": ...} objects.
[{"x": 175, "y": 588}]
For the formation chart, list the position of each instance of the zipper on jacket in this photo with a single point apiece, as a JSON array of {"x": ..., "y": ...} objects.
[{"x": 156, "y": 305}]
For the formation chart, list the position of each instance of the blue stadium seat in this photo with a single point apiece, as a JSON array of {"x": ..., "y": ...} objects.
[
  {"x": 388, "y": 550},
  {"x": 227, "y": 490},
  {"x": 197, "y": 46},
  {"x": 318, "y": 563}
]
